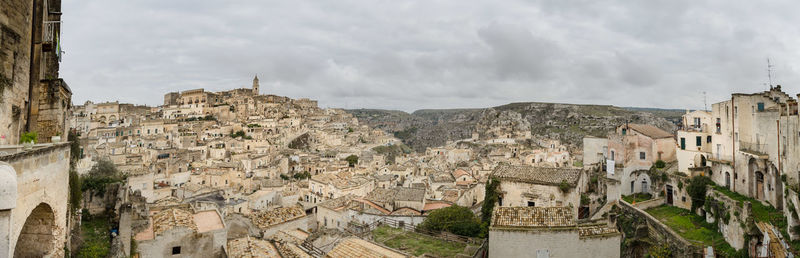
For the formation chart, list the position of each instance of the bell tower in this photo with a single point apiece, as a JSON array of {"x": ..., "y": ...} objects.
[{"x": 255, "y": 85}]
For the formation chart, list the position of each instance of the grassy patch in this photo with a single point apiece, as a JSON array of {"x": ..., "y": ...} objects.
[
  {"x": 415, "y": 243},
  {"x": 761, "y": 212},
  {"x": 691, "y": 227},
  {"x": 95, "y": 234},
  {"x": 638, "y": 197}
]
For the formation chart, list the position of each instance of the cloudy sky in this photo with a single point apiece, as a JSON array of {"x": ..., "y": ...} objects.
[{"x": 411, "y": 55}]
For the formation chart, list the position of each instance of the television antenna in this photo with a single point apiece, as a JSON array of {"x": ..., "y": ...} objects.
[
  {"x": 705, "y": 102},
  {"x": 769, "y": 72}
]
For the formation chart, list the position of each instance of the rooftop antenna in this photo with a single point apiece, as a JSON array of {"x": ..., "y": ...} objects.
[
  {"x": 705, "y": 102},
  {"x": 769, "y": 72}
]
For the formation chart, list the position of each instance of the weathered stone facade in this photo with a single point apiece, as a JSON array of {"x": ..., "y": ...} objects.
[
  {"x": 32, "y": 97},
  {"x": 38, "y": 218}
]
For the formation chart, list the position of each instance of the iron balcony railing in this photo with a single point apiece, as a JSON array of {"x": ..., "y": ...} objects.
[{"x": 50, "y": 30}]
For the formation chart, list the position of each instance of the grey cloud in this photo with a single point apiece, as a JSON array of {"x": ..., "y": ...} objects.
[{"x": 431, "y": 54}]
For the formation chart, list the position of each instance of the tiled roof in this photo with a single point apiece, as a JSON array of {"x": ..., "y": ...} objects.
[
  {"x": 338, "y": 202},
  {"x": 538, "y": 175},
  {"x": 247, "y": 247},
  {"x": 596, "y": 230},
  {"x": 533, "y": 217},
  {"x": 354, "y": 247},
  {"x": 395, "y": 194},
  {"x": 289, "y": 250},
  {"x": 171, "y": 218},
  {"x": 276, "y": 216},
  {"x": 650, "y": 131}
]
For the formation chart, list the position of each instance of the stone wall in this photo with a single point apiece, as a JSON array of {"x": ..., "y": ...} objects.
[
  {"x": 42, "y": 180},
  {"x": 640, "y": 227},
  {"x": 301, "y": 223},
  {"x": 553, "y": 242},
  {"x": 15, "y": 54},
  {"x": 733, "y": 217}
]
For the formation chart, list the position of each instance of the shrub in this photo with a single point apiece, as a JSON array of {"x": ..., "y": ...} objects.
[
  {"x": 352, "y": 160},
  {"x": 454, "y": 219},
  {"x": 564, "y": 186},
  {"x": 488, "y": 205},
  {"x": 27, "y": 137},
  {"x": 697, "y": 190},
  {"x": 660, "y": 164},
  {"x": 101, "y": 175}
]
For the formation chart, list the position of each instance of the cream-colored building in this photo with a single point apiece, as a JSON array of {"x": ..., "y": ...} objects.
[
  {"x": 549, "y": 232},
  {"x": 529, "y": 186}
]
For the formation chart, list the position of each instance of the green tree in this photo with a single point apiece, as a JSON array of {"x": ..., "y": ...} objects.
[
  {"x": 101, "y": 175},
  {"x": 75, "y": 189},
  {"x": 697, "y": 190},
  {"x": 454, "y": 219},
  {"x": 488, "y": 205},
  {"x": 352, "y": 160}
]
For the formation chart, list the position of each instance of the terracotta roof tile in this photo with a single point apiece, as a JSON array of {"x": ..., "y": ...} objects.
[
  {"x": 354, "y": 247},
  {"x": 533, "y": 217},
  {"x": 538, "y": 175}
]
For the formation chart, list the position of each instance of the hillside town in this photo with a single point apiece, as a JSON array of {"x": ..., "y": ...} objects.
[{"x": 244, "y": 172}]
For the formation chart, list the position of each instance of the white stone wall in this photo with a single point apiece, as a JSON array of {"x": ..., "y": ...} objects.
[
  {"x": 557, "y": 243},
  {"x": 519, "y": 194}
]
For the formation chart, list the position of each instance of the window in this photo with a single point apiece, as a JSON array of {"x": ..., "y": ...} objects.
[
  {"x": 718, "y": 125},
  {"x": 708, "y": 139},
  {"x": 176, "y": 250},
  {"x": 624, "y": 131},
  {"x": 642, "y": 155},
  {"x": 699, "y": 141},
  {"x": 683, "y": 143},
  {"x": 760, "y": 106},
  {"x": 531, "y": 204}
]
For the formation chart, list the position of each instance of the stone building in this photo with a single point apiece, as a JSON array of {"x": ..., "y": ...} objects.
[
  {"x": 177, "y": 232},
  {"x": 754, "y": 141},
  {"x": 549, "y": 232},
  {"x": 530, "y": 186},
  {"x": 32, "y": 97},
  {"x": 694, "y": 143}
]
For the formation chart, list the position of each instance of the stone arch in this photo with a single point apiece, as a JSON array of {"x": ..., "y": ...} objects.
[
  {"x": 37, "y": 238},
  {"x": 760, "y": 185},
  {"x": 728, "y": 180},
  {"x": 699, "y": 160},
  {"x": 752, "y": 168},
  {"x": 112, "y": 118}
]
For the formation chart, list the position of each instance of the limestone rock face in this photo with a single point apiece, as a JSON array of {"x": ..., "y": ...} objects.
[{"x": 566, "y": 122}]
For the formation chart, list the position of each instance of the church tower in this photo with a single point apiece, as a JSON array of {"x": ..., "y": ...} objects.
[{"x": 255, "y": 85}]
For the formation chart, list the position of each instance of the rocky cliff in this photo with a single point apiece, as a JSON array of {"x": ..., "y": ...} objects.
[{"x": 566, "y": 122}]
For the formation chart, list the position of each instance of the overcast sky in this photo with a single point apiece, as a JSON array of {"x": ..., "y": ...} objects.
[{"x": 411, "y": 55}]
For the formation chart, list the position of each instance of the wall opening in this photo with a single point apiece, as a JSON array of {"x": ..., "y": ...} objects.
[{"x": 37, "y": 238}]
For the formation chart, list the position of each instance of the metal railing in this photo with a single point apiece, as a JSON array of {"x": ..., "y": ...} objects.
[{"x": 49, "y": 31}]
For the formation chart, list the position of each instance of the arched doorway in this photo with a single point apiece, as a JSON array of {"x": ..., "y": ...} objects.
[
  {"x": 37, "y": 238},
  {"x": 728, "y": 180},
  {"x": 759, "y": 185}
]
